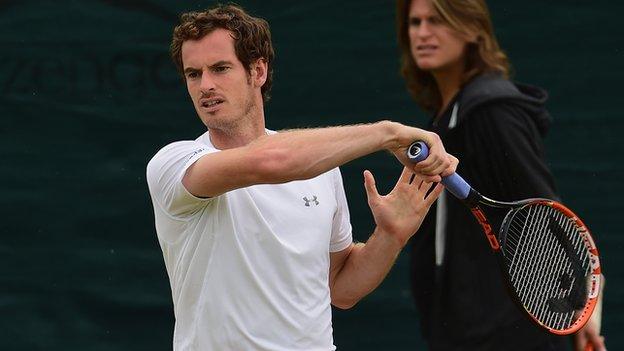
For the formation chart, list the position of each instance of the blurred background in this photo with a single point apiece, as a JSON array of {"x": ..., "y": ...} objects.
[{"x": 88, "y": 94}]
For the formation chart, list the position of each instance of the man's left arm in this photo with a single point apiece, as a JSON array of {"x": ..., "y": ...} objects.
[{"x": 360, "y": 268}]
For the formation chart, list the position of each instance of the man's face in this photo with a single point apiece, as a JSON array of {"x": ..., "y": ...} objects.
[
  {"x": 435, "y": 46},
  {"x": 219, "y": 85}
]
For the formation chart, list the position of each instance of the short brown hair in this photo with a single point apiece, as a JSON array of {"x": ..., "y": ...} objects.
[
  {"x": 252, "y": 37},
  {"x": 463, "y": 16}
]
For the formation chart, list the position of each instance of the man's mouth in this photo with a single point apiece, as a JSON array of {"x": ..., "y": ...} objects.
[{"x": 211, "y": 103}]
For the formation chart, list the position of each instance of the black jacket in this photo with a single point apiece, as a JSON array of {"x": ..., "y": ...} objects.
[{"x": 497, "y": 137}]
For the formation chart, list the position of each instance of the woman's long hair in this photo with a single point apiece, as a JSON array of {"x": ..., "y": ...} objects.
[{"x": 464, "y": 16}]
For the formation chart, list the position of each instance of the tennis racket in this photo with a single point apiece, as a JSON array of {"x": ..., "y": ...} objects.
[{"x": 547, "y": 254}]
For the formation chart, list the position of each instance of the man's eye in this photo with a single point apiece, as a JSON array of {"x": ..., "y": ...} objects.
[
  {"x": 221, "y": 69},
  {"x": 192, "y": 75}
]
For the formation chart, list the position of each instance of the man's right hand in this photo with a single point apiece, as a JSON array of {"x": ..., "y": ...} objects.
[{"x": 438, "y": 164}]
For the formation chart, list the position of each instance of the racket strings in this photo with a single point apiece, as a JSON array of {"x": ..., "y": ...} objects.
[
  {"x": 548, "y": 264},
  {"x": 550, "y": 303},
  {"x": 527, "y": 282},
  {"x": 531, "y": 250}
]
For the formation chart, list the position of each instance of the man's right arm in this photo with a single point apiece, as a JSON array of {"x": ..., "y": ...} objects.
[{"x": 306, "y": 153}]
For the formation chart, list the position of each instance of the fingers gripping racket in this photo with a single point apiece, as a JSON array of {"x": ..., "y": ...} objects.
[{"x": 545, "y": 251}]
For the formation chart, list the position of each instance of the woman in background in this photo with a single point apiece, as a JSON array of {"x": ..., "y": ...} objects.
[{"x": 456, "y": 71}]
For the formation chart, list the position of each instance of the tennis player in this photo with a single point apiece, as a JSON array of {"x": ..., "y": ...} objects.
[
  {"x": 456, "y": 71},
  {"x": 253, "y": 224}
]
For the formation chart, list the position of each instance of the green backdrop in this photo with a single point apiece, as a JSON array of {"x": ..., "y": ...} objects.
[{"x": 88, "y": 94}]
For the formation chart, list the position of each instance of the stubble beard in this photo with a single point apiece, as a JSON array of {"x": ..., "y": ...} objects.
[{"x": 234, "y": 123}]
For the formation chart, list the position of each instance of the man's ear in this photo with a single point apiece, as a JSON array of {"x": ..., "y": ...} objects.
[{"x": 259, "y": 70}]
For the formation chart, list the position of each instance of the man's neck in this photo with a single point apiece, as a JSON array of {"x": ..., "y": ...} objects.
[{"x": 246, "y": 131}]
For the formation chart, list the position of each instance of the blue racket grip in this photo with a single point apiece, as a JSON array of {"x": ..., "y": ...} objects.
[{"x": 419, "y": 151}]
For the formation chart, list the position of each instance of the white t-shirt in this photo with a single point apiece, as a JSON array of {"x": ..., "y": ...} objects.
[{"x": 249, "y": 269}]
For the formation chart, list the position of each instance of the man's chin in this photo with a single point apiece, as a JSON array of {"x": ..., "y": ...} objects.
[
  {"x": 209, "y": 116},
  {"x": 219, "y": 122}
]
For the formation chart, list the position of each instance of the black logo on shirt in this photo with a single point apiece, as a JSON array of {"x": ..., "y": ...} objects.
[
  {"x": 313, "y": 201},
  {"x": 195, "y": 153}
]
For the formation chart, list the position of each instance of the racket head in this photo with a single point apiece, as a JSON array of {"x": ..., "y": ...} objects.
[{"x": 552, "y": 264}]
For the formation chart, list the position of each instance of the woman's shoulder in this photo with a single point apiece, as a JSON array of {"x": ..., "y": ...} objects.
[{"x": 491, "y": 98}]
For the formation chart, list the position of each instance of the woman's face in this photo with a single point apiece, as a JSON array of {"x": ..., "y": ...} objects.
[{"x": 434, "y": 44}]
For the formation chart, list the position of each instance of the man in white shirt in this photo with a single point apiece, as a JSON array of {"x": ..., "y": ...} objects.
[{"x": 253, "y": 224}]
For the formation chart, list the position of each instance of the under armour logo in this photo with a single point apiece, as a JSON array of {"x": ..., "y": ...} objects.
[
  {"x": 195, "y": 153},
  {"x": 314, "y": 200}
]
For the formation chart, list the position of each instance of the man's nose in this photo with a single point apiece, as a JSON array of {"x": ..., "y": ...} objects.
[{"x": 207, "y": 83}]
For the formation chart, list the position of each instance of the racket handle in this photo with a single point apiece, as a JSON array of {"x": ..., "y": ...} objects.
[{"x": 454, "y": 183}]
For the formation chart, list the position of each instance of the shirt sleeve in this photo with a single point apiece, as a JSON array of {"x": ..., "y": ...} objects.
[
  {"x": 341, "y": 236},
  {"x": 164, "y": 177}
]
